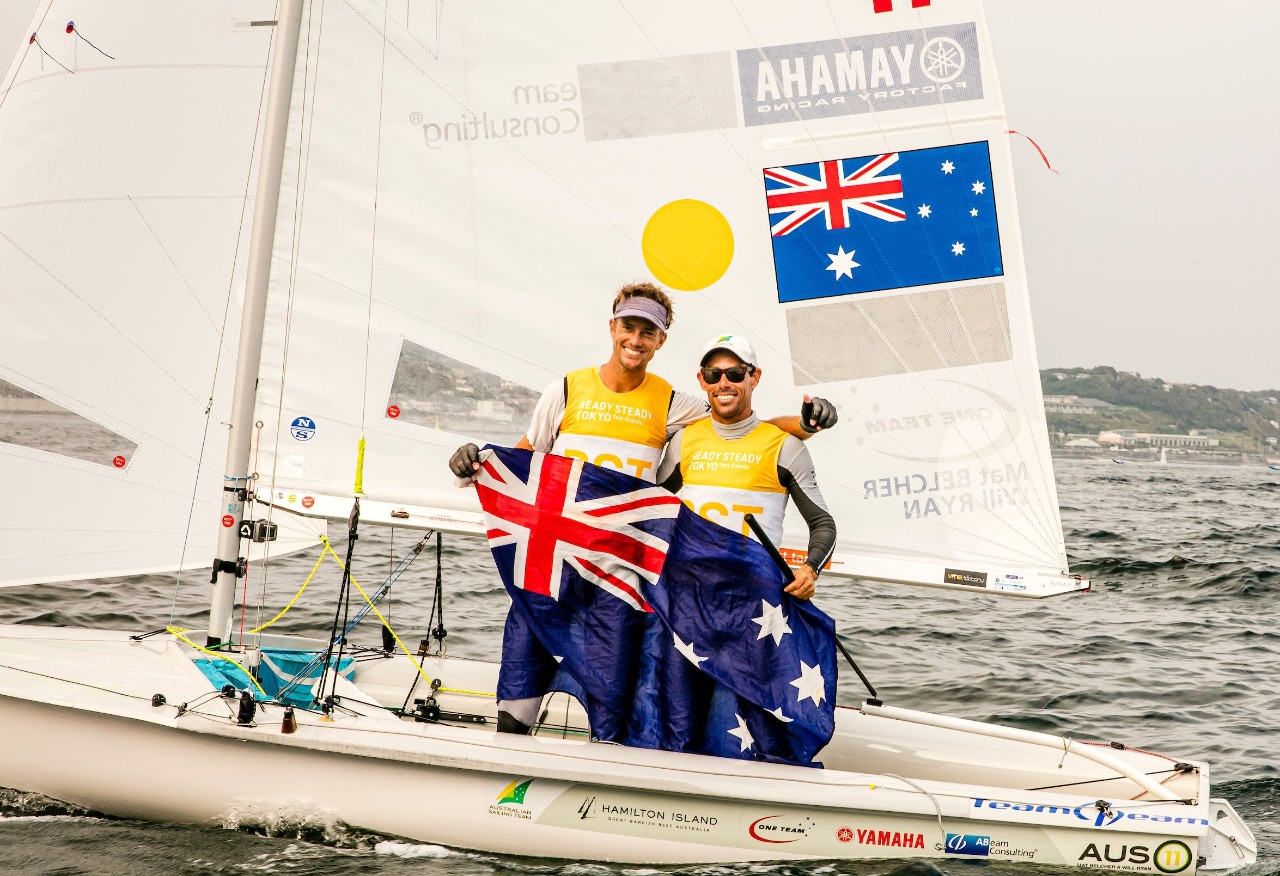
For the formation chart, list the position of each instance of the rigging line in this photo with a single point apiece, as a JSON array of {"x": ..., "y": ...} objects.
[
  {"x": 343, "y": 608},
  {"x": 22, "y": 59},
  {"x": 373, "y": 238},
  {"x": 251, "y": 502},
  {"x": 36, "y": 43},
  {"x": 74, "y": 683},
  {"x": 383, "y": 589},
  {"x": 265, "y": 561},
  {"x": 299, "y": 200},
  {"x": 72, "y": 29},
  {"x": 937, "y": 807},
  {"x": 222, "y": 331}
]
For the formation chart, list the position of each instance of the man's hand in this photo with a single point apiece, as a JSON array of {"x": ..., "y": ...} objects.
[
  {"x": 802, "y": 587},
  {"x": 465, "y": 461},
  {"x": 817, "y": 414}
]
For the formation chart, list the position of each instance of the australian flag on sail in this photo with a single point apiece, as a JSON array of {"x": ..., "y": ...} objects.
[
  {"x": 886, "y": 221},
  {"x": 672, "y": 631}
]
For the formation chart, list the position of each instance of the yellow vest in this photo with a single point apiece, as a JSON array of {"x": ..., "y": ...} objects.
[
  {"x": 726, "y": 480},
  {"x": 619, "y": 430}
]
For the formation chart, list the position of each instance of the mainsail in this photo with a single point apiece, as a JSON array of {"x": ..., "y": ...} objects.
[
  {"x": 464, "y": 189},
  {"x": 469, "y": 185}
]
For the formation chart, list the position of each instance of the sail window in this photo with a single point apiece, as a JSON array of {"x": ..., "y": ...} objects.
[
  {"x": 440, "y": 392},
  {"x": 30, "y": 420},
  {"x": 900, "y": 334}
]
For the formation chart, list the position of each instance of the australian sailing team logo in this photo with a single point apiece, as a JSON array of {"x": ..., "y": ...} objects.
[{"x": 510, "y": 800}]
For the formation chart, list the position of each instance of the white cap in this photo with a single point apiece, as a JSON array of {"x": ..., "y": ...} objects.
[{"x": 735, "y": 344}]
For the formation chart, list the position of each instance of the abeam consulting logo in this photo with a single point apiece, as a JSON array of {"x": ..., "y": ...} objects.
[
  {"x": 968, "y": 844},
  {"x": 510, "y": 800}
]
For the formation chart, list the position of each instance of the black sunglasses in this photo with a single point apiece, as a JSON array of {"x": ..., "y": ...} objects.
[{"x": 736, "y": 374}]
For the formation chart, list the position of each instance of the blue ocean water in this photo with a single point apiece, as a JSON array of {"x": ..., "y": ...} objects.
[{"x": 1177, "y": 649}]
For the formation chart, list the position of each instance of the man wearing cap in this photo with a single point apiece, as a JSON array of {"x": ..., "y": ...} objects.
[
  {"x": 733, "y": 464},
  {"x": 618, "y": 416}
]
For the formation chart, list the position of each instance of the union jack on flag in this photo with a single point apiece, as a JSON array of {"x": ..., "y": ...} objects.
[
  {"x": 557, "y": 518},
  {"x": 831, "y": 191}
]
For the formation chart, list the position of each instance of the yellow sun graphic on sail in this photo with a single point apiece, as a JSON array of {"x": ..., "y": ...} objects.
[{"x": 687, "y": 245}]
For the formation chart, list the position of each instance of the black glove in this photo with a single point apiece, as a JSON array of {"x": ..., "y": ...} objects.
[
  {"x": 820, "y": 411},
  {"x": 465, "y": 461}
]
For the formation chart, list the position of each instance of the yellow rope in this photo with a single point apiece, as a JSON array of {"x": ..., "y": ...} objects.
[
  {"x": 324, "y": 540},
  {"x": 474, "y": 693},
  {"x": 396, "y": 636},
  {"x": 408, "y": 653},
  {"x": 328, "y": 550},
  {"x": 177, "y": 634}
]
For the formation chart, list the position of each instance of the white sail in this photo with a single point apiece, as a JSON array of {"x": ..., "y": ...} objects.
[
  {"x": 527, "y": 161},
  {"x": 119, "y": 236}
]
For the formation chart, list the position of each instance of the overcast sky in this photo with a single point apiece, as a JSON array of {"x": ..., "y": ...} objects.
[{"x": 1150, "y": 250}]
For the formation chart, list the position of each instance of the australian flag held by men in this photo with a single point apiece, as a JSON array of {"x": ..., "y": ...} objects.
[
  {"x": 887, "y": 221},
  {"x": 672, "y": 631}
]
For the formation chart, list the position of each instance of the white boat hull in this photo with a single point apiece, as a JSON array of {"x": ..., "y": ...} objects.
[{"x": 564, "y": 796}]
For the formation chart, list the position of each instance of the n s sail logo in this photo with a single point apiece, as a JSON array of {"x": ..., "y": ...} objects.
[{"x": 303, "y": 429}]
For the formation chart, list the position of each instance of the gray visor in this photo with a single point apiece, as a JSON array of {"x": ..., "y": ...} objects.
[{"x": 645, "y": 308}]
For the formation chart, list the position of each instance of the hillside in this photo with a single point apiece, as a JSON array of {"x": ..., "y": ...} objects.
[{"x": 1246, "y": 419}]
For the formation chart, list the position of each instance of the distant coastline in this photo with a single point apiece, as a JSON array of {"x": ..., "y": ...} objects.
[{"x": 1102, "y": 412}]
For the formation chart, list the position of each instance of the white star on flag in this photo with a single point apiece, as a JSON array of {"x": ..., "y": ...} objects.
[
  {"x": 810, "y": 685},
  {"x": 947, "y": 166},
  {"x": 842, "y": 263},
  {"x": 957, "y": 248},
  {"x": 979, "y": 188},
  {"x": 973, "y": 212},
  {"x": 745, "y": 739},
  {"x": 925, "y": 211},
  {"x": 686, "y": 648},
  {"x": 772, "y": 622},
  {"x": 777, "y": 713}
]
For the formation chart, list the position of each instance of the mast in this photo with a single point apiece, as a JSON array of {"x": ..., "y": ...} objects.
[{"x": 236, "y": 480}]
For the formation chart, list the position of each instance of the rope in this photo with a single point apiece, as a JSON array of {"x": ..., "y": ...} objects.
[
  {"x": 316, "y": 568},
  {"x": 177, "y": 634}
]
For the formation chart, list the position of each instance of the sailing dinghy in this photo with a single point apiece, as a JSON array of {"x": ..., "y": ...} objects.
[{"x": 416, "y": 220}]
